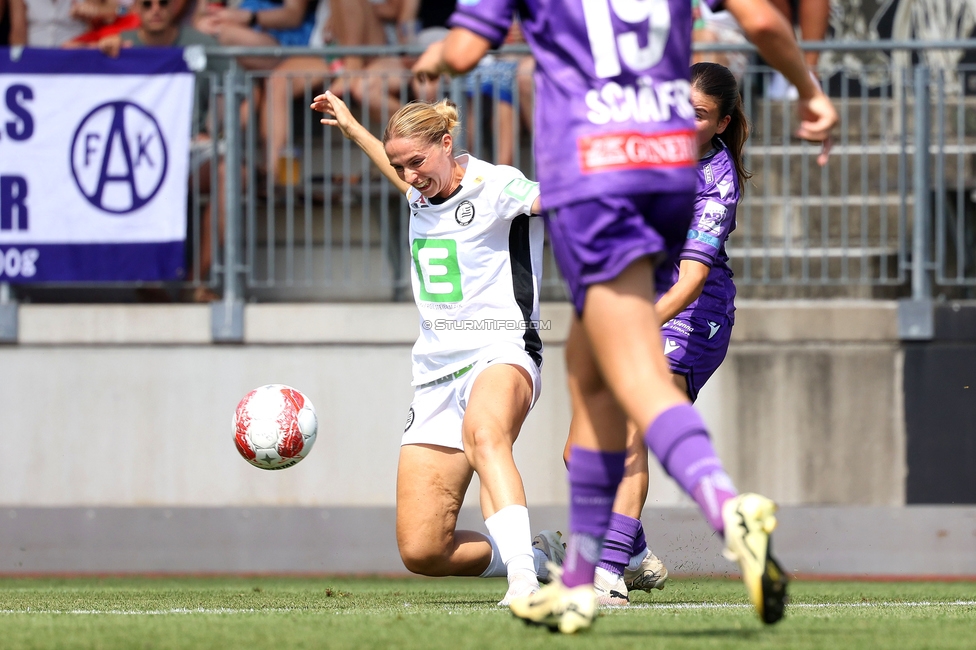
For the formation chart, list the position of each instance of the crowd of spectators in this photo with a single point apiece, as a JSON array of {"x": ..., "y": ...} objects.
[{"x": 373, "y": 82}]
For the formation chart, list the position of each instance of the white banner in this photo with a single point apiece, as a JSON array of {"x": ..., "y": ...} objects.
[{"x": 94, "y": 163}]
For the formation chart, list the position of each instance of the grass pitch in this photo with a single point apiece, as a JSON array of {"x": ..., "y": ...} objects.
[{"x": 461, "y": 613}]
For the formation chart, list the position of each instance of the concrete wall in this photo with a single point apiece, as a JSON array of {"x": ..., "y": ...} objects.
[
  {"x": 131, "y": 406},
  {"x": 909, "y": 542}
]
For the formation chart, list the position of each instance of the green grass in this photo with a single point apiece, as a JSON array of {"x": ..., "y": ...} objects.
[{"x": 461, "y": 613}]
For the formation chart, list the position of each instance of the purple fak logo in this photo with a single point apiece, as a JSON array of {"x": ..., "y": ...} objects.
[{"x": 118, "y": 157}]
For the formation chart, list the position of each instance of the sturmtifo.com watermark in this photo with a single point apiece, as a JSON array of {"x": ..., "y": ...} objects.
[{"x": 486, "y": 324}]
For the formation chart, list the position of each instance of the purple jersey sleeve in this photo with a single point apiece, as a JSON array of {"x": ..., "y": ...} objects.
[
  {"x": 488, "y": 18},
  {"x": 612, "y": 92},
  {"x": 715, "y": 204}
]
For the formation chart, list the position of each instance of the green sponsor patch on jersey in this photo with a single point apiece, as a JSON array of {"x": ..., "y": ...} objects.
[
  {"x": 438, "y": 270},
  {"x": 520, "y": 188}
]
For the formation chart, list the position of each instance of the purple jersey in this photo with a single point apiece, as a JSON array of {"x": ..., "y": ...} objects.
[
  {"x": 613, "y": 112},
  {"x": 714, "y": 220}
]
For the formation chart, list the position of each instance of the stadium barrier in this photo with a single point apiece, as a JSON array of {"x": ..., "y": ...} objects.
[
  {"x": 330, "y": 228},
  {"x": 307, "y": 219}
]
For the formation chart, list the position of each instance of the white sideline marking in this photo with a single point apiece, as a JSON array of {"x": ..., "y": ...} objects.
[
  {"x": 885, "y": 603},
  {"x": 659, "y": 606},
  {"x": 150, "y": 612}
]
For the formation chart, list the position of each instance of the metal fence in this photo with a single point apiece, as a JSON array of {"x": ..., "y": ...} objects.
[{"x": 303, "y": 216}]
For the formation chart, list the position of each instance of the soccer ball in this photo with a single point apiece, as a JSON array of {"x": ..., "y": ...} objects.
[{"x": 274, "y": 426}]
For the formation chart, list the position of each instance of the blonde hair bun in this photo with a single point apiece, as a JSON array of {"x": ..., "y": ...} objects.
[{"x": 424, "y": 121}]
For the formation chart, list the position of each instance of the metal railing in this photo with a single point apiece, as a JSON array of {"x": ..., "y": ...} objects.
[{"x": 305, "y": 217}]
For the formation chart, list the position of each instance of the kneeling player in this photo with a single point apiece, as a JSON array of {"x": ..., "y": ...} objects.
[{"x": 477, "y": 256}]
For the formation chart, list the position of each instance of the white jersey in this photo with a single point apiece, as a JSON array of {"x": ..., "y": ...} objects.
[{"x": 477, "y": 267}]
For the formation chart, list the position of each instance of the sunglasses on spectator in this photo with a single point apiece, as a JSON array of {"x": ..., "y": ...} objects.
[{"x": 147, "y": 4}]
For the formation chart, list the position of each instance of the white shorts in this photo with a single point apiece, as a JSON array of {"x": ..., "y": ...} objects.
[{"x": 437, "y": 411}]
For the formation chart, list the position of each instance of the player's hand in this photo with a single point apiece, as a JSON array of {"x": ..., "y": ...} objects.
[
  {"x": 430, "y": 65},
  {"x": 341, "y": 115},
  {"x": 817, "y": 119}
]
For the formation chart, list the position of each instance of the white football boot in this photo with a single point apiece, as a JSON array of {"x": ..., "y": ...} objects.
[
  {"x": 550, "y": 544},
  {"x": 749, "y": 520},
  {"x": 610, "y": 589},
  {"x": 650, "y": 575},
  {"x": 520, "y": 584},
  {"x": 557, "y": 607}
]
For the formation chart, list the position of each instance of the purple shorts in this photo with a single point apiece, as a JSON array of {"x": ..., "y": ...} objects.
[
  {"x": 695, "y": 346},
  {"x": 595, "y": 240}
]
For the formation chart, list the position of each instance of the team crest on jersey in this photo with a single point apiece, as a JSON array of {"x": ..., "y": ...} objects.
[
  {"x": 410, "y": 417},
  {"x": 464, "y": 213},
  {"x": 709, "y": 177},
  {"x": 712, "y": 216}
]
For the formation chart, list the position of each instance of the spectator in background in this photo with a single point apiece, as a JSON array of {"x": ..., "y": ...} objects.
[
  {"x": 104, "y": 17},
  {"x": 496, "y": 75},
  {"x": 258, "y": 23},
  {"x": 359, "y": 22},
  {"x": 43, "y": 23},
  {"x": 4, "y": 24},
  {"x": 719, "y": 27},
  {"x": 160, "y": 27},
  {"x": 374, "y": 81},
  {"x": 423, "y": 22},
  {"x": 812, "y": 17}
]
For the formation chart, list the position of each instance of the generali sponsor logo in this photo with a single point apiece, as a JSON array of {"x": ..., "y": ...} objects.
[{"x": 634, "y": 150}]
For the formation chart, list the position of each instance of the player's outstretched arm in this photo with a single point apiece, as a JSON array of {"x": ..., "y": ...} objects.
[
  {"x": 773, "y": 37},
  {"x": 342, "y": 119},
  {"x": 458, "y": 53}
]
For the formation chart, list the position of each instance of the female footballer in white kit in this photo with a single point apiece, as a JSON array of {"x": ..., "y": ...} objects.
[{"x": 477, "y": 258}]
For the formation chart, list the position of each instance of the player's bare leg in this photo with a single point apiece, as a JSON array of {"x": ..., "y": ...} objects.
[
  {"x": 626, "y": 562},
  {"x": 499, "y": 401},
  {"x": 634, "y": 367},
  {"x": 595, "y": 468},
  {"x": 431, "y": 482},
  {"x": 623, "y": 330}
]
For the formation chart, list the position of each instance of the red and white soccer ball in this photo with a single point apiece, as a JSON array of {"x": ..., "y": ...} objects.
[{"x": 274, "y": 426}]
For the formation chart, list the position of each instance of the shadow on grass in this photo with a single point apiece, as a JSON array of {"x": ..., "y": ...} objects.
[{"x": 721, "y": 632}]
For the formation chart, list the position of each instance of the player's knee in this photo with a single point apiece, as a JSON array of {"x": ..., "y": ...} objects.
[
  {"x": 423, "y": 557},
  {"x": 484, "y": 441}
]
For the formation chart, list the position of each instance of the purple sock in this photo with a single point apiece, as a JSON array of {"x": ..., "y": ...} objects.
[
  {"x": 640, "y": 543},
  {"x": 593, "y": 480},
  {"x": 619, "y": 543},
  {"x": 680, "y": 441}
]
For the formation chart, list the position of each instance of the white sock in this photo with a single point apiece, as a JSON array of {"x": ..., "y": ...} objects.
[
  {"x": 509, "y": 527},
  {"x": 496, "y": 568}
]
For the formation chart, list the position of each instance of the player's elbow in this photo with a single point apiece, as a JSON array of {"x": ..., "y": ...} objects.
[
  {"x": 762, "y": 22},
  {"x": 463, "y": 49},
  {"x": 459, "y": 61},
  {"x": 763, "y": 27}
]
